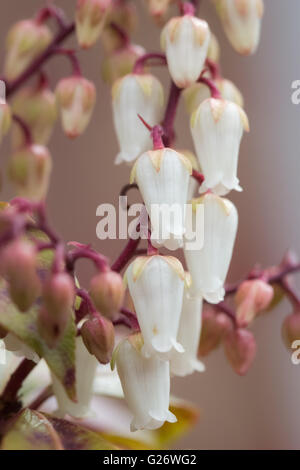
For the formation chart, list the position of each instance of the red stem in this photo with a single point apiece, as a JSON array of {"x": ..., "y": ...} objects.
[
  {"x": 126, "y": 255},
  {"x": 199, "y": 177},
  {"x": 215, "y": 93},
  {"x": 36, "y": 65},
  {"x": 187, "y": 8},
  {"x": 10, "y": 392},
  {"x": 24, "y": 128},
  {"x": 170, "y": 114},
  {"x": 142, "y": 61},
  {"x": 71, "y": 55}
]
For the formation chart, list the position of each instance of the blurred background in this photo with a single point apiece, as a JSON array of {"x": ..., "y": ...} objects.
[{"x": 261, "y": 410}]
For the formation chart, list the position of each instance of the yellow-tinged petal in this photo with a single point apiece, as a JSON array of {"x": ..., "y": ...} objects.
[
  {"x": 217, "y": 108},
  {"x": 176, "y": 265},
  {"x": 244, "y": 119},
  {"x": 139, "y": 265}
]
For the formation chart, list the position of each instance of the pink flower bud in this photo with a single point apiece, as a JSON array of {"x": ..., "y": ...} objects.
[
  {"x": 291, "y": 329},
  {"x": 59, "y": 293},
  {"x": 37, "y": 107},
  {"x": 240, "y": 349},
  {"x": 52, "y": 327},
  {"x": 25, "y": 41},
  {"x": 90, "y": 20},
  {"x": 120, "y": 62},
  {"x": 214, "y": 326},
  {"x": 252, "y": 298},
  {"x": 5, "y": 119},
  {"x": 76, "y": 97},
  {"x": 19, "y": 265},
  {"x": 98, "y": 335},
  {"x": 158, "y": 9},
  {"x": 107, "y": 292},
  {"x": 29, "y": 170}
]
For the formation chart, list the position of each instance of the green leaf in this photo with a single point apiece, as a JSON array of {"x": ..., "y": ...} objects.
[
  {"x": 31, "y": 431},
  {"x": 76, "y": 437},
  {"x": 61, "y": 360}
]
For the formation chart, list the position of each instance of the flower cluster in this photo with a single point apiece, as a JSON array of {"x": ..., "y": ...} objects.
[{"x": 164, "y": 314}]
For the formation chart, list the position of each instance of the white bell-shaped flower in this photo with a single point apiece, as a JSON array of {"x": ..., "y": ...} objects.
[
  {"x": 163, "y": 178},
  {"x": 134, "y": 95},
  {"x": 185, "y": 40},
  {"x": 193, "y": 184},
  {"x": 209, "y": 265},
  {"x": 241, "y": 21},
  {"x": 189, "y": 332},
  {"x": 86, "y": 366},
  {"x": 217, "y": 128},
  {"x": 199, "y": 92},
  {"x": 156, "y": 285},
  {"x": 146, "y": 385}
]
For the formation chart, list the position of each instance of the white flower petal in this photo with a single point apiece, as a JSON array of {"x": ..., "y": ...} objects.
[
  {"x": 146, "y": 386},
  {"x": 209, "y": 266}
]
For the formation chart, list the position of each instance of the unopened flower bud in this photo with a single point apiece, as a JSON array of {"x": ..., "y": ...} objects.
[
  {"x": 209, "y": 264},
  {"x": 107, "y": 292},
  {"x": 36, "y": 106},
  {"x": 52, "y": 327},
  {"x": 98, "y": 335},
  {"x": 185, "y": 40},
  {"x": 76, "y": 98},
  {"x": 241, "y": 21},
  {"x": 291, "y": 329},
  {"x": 217, "y": 128},
  {"x": 5, "y": 119},
  {"x": 29, "y": 170},
  {"x": 25, "y": 41},
  {"x": 146, "y": 385},
  {"x": 161, "y": 193},
  {"x": 156, "y": 285},
  {"x": 58, "y": 293},
  {"x": 19, "y": 265},
  {"x": 158, "y": 9},
  {"x": 197, "y": 93},
  {"x": 240, "y": 349},
  {"x": 214, "y": 326},
  {"x": 134, "y": 95},
  {"x": 252, "y": 298},
  {"x": 120, "y": 62},
  {"x": 123, "y": 14},
  {"x": 90, "y": 19}
]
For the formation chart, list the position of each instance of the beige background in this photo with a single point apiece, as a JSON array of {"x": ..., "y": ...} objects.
[{"x": 261, "y": 410}]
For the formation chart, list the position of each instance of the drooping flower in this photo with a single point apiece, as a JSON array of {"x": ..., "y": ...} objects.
[
  {"x": 29, "y": 170},
  {"x": 86, "y": 366},
  {"x": 25, "y": 41},
  {"x": 90, "y": 19},
  {"x": 185, "y": 40},
  {"x": 209, "y": 265},
  {"x": 146, "y": 385},
  {"x": 123, "y": 14},
  {"x": 158, "y": 8},
  {"x": 217, "y": 128},
  {"x": 163, "y": 178},
  {"x": 189, "y": 332},
  {"x": 37, "y": 107},
  {"x": 134, "y": 95},
  {"x": 291, "y": 329},
  {"x": 214, "y": 326},
  {"x": 241, "y": 21},
  {"x": 76, "y": 98},
  {"x": 156, "y": 285},
  {"x": 197, "y": 93},
  {"x": 213, "y": 52}
]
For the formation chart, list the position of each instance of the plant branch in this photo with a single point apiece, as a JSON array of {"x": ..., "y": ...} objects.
[
  {"x": 170, "y": 114},
  {"x": 36, "y": 65},
  {"x": 15, "y": 382}
]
